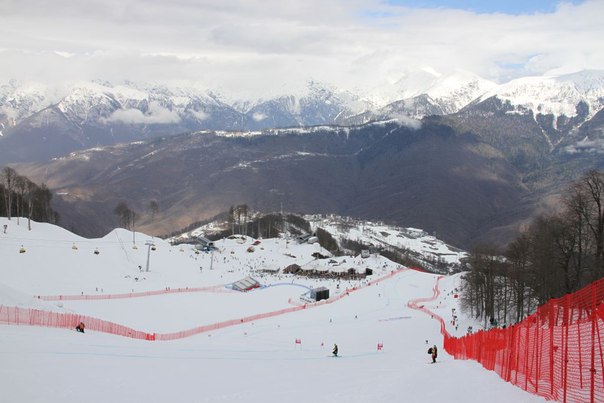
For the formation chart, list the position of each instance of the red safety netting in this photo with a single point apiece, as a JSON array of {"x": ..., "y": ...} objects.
[
  {"x": 83, "y": 297},
  {"x": 10, "y": 315},
  {"x": 556, "y": 353},
  {"x": 36, "y": 317}
]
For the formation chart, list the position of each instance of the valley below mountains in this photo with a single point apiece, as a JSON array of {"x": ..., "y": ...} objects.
[
  {"x": 433, "y": 178},
  {"x": 473, "y": 172}
]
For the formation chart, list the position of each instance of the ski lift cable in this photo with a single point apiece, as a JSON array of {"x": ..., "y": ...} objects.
[
  {"x": 46, "y": 245},
  {"x": 123, "y": 248},
  {"x": 70, "y": 241}
]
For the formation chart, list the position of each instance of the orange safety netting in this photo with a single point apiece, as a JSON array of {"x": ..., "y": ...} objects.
[{"x": 556, "y": 352}]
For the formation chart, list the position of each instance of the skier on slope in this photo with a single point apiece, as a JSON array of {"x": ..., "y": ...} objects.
[
  {"x": 434, "y": 354},
  {"x": 80, "y": 327},
  {"x": 335, "y": 350}
]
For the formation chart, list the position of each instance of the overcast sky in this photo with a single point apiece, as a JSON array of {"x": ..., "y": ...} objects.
[{"x": 265, "y": 46}]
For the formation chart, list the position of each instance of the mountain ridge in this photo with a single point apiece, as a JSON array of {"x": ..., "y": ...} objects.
[{"x": 99, "y": 113}]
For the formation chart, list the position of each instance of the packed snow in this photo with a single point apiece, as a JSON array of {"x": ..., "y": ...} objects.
[{"x": 283, "y": 358}]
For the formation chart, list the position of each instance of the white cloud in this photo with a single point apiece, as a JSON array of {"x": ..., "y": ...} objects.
[
  {"x": 257, "y": 116},
  {"x": 409, "y": 122},
  {"x": 199, "y": 115},
  {"x": 155, "y": 115},
  {"x": 253, "y": 48},
  {"x": 586, "y": 145}
]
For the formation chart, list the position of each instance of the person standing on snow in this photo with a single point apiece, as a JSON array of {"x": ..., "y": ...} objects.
[
  {"x": 335, "y": 350},
  {"x": 434, "y": 354}
]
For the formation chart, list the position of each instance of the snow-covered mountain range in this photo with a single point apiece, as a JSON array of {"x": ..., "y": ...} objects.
[
  {"x": 567, "y": 95},
  {"x": 128, "y": 110}
]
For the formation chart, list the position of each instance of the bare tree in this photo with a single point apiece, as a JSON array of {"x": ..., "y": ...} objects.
[
  {"x": 232, "y": 219},
  {"x": 124, "y": 214},
  {"x": 558, "y": 254},
  {"x": 239, "y": 215},
  {"x": 243, "y": 217},
  {"x": 23, "y": 197},
  {"x": 8, "y": 177},
  {"x": 154, "y": 208},
  {"x": 544, "y": 277},
  {"x": 576, "y": 205},
  {"x": 20, "y": 186},
  {"x": 485, "y": 266},
  {"x": 31, "y": 190},
  {"x": 591, "y": 186},
  {"x": 43, "y": 200},
  {"x": 518, "y": 255}
]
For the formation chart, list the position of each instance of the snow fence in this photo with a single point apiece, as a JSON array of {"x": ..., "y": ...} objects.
[
  {"x": 556, "y": 353},
  {"x": 92, "y": 297},
  {"x": 36, "y": 317}
]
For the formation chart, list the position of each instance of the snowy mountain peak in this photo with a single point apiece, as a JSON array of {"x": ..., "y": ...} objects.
[
  {"x": 455, "y": 90},
  {"x": 20, "y": 100},
  {"x": 451, "y": 91},
  {"x": 555, "y": 95},
  {"x": 411, "y": 83}
]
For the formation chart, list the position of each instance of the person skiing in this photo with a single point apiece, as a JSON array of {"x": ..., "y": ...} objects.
[
  {"x": 335, "y": 350},
  {"x": 434, "y": 354},
  {"x": 80, "y": 327}
]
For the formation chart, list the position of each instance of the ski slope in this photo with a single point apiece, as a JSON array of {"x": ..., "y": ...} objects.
[{"x": 277, "y": 359}]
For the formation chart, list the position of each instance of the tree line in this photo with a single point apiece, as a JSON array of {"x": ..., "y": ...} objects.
[
  {"x": 23, "y": 198},
  {"x": 558, "y": 253},
  {"x": 127, "y": 217}
]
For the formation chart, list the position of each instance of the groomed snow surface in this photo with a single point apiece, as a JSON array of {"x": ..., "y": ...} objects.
[{"x": 252, "y": 362}]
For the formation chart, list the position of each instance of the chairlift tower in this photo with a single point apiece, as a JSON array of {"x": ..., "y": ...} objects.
[
  {"x": 133, "y": 231},
  {"x": 149, "y": 245},
  {"x": 211, "y": 258}
]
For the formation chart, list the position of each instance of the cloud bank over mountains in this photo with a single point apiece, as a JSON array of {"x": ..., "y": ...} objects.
[
  {"x": 155, "y": 114},
  {"x": 250, "y": 49}
]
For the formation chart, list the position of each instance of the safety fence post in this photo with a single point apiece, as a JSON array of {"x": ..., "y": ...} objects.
[
  {"x": 518, "y": 333},
  {"x": 580, "y": 348},
  {"x": 536, "y": 350},
  {"x": 566, "y": 323},
  {"x": 526, "y": 353},
  {"x": 510, "y": 353},
  {"x": 599, "y": 343},
  {"x": 594, "y": 318},
  {"x": 550, "y": 315}
]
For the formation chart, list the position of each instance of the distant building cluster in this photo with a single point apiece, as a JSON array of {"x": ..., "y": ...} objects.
[{"x": 332, "y": 270}]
